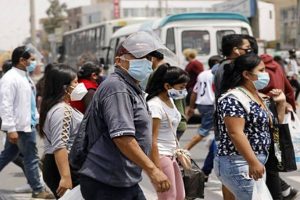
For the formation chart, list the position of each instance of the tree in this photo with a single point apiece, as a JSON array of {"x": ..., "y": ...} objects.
[{"x": 56, "y": 16}]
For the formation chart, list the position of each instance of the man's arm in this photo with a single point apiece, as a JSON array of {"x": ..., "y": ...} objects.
[
  {"x": 62, "y": 162},
  {"x": 289, "y": 93},
  {"x": 8, "y": 119},
  {"x": 131, "y": 149},
  {"x": 8, "y": 94}
]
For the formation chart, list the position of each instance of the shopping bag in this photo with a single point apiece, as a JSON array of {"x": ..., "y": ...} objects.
[
  {"x": 73, "y": 194},
  {"x": 193, "y": 180},
  {"x": 293, "y": 121},
  {"x": 261, "y": 191},
  {"x": 281, "y": 152}
]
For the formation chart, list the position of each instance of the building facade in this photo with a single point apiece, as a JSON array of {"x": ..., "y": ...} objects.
[
  {"x": 286, "y": 23},
  {"x": 82, "y": 16}
]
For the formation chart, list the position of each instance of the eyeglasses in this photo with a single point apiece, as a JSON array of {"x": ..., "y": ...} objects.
[
  {"x": 249, "y": 50},
  {"x": 148, "y": 57}
]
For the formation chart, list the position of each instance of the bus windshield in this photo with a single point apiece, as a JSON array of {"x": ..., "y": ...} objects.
[{"x": 196, "y": 39}]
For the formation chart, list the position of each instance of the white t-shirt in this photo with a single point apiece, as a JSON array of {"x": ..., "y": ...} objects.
[
  {"x": 166, "y": 140},
  {"x": 204, "y": 88},
  {"x": 291, "y": 67}
]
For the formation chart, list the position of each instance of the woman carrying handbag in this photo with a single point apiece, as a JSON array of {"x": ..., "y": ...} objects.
[{"x": 167, "y": 82}]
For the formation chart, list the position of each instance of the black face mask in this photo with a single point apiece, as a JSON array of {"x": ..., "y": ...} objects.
[{"x": 99, "y": 80}]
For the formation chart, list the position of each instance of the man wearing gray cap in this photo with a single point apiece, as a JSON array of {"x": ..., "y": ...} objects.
[{"x": 119, "y": 128}]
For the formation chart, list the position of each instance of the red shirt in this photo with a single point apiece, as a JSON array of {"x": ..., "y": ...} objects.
[
  {"x": 194, "y": 68},
  {"x": 79, "y": 105},
  {"x": 277, "y": 79}
]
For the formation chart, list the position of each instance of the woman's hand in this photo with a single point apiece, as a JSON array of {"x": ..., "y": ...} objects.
[
  {"x": 64, "y": 184},
  {"x": 278, "y": 96},
  {"x": 256, "y": 170}
]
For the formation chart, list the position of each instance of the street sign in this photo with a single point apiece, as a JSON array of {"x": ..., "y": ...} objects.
[{"x": 116, "y": 9}]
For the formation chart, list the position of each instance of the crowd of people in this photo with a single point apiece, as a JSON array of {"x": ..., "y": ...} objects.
[{"x": 134, "y": 119}]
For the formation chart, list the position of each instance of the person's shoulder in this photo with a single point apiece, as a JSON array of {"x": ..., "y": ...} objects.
[
  {"x": 10, "y": 78},
  {"x": 206, "y": 73},
  {"x": 155, "y": 107},
  {"x": 57, "y": 108},
  {"x": 113, "y": 83},
  {"x": 197, "y": 63},
  {"x": 230, "y": 101},
  {"x": 155, "y": 101}
]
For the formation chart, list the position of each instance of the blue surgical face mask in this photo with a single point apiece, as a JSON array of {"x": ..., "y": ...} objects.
[
  {"x": 140, "y": 69},
  {"x": 31, "y": 67},
  {"x": 177, "y": 94},
  {"x": 262, "y": 81}
]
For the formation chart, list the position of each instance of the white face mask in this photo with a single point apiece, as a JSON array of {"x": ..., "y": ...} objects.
[
  {"x": 177, "y": 94},
  {"x": 78, "y": 92}
]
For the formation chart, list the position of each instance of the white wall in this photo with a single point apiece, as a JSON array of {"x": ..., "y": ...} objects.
[{"x": 267, "y": 29}]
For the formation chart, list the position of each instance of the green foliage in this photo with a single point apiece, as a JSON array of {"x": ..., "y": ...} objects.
[{"x": 56, "y": 16}]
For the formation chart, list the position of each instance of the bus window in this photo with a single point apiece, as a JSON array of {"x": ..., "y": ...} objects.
[
  {"x": 111, "y": 51},
  {"x": 198, "y": 40},
  {"x": 220, "y": 35},
  {"x": 245, "y": 31},
  {"x": 102, "y": 36},
  {"x": 170, "y": 40},
  {"x": 115, "y": 28}
]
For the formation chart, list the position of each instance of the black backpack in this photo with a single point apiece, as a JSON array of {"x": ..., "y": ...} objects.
[{"x": 81, "y": 144}]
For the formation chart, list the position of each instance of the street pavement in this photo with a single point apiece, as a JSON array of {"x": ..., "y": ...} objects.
[{"x": 12, "y": 176}]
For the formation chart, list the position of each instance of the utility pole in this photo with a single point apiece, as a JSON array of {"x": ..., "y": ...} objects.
[
  {"x": 32, "y": 22},
  {"x": 160, "y": 8},
  {"x": 298, "y": 25},
  {"x": 167, "y": 8}
]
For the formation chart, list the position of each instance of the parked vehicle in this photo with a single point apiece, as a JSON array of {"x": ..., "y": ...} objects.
[{"x": 200, "y": 31}]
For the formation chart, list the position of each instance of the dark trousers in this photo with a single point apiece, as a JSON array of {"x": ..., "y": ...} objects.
[
  {"x": 209, "y": 160},
  {"x": 94, "y": 190},
  {"x": 51, "y": 174},
  {"x": 276, "y": 185},
  {"x": 296, "y": 85},
  {"x": 179, "y": 134}
]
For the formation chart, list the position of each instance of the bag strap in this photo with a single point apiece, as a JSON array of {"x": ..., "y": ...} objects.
[
  {"x": 172, "y": 128},
  {"x": 240, "y": 96}
]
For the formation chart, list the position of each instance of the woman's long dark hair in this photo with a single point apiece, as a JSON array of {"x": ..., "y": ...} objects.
[
  {"x": 57, "y": 81},
  {"x": 165, "y": 74},
  {"x": 233, "y": 76}
]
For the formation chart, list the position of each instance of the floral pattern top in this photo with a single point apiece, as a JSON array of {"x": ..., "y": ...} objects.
[{"x": 257, "y": 126}]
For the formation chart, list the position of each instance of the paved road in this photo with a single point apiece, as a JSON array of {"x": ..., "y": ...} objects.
[{"x": 12, "y": 176}]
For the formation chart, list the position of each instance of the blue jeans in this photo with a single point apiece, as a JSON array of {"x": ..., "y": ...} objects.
[
  {"x": 207, "y": 119},
  {"x": 209, "y": 160},
  {"x": 233, "y": 172},
  {"x": 27, "y": 146}
]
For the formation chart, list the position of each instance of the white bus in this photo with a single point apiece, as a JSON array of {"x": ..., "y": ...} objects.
[
  {"x": 200, "y": 31},
  {"x": 92, "y": 39}
]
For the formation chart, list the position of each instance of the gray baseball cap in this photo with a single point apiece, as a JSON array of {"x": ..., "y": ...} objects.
[{"x": 142, "y": 43}]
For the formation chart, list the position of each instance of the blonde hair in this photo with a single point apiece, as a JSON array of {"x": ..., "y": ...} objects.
[{"x": 190, "y": 53}]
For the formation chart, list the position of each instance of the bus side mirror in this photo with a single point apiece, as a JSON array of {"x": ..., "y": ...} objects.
[
  {"x": 103, "y": 64},
  {"x": 61, "y": 50},
  {"x": 102, "y": 61}
]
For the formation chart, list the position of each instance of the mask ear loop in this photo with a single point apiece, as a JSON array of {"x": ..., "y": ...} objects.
[
  {"x": 66, "y": 89},
  {"x": 123, "y": 59}
]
